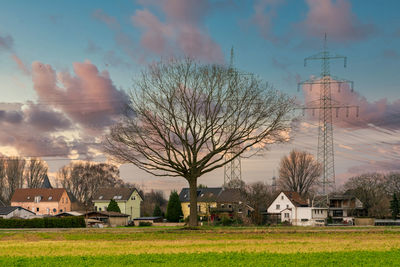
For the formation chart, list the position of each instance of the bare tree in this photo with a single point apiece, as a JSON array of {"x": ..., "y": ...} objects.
[
  {"x": 35, "y": 173},
  {"x": 259, "y": 196},
  {"x": 298, "y": 172},
  {"x": 152, "y": 199},
  {"x": 185, "y": 117},
  {"x": 2, "y": 179},
  {"x": 370, "y": 190},
  {"x": 15, "y": 167},
  {"x": 83, "y": 179},
  {"x": 392, "y": 183}
]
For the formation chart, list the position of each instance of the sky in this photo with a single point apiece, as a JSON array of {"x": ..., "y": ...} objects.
[{"x": 66, "y": 67}]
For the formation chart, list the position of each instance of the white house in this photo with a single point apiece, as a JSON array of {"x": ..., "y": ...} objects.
[
  {"x": 19, "y": 212},
  {"x": 294, "y": 209}
]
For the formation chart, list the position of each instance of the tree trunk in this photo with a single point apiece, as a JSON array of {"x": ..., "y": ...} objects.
[{"x": 193, "y": 202}]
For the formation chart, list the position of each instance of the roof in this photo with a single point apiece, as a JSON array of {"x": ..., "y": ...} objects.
[
  {"x": 9, "y": 209},
  {"x": 69, "y": 213},
  {"x": 295, "y": 198},
  {"x": 209, "y": 194},
  {"x": 29, "y": 194},
  {"x": 46, "y": 182},
  {"x": 147, "y": 218},
  {"x": 107, "y": 213},
  {"x": 116, "y": 193},
  {"x": 212, "y": 194}
]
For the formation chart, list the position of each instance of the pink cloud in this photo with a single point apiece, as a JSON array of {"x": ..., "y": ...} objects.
[
  {"x": 6, "y": 43},
  {"x": 88, "y": 97},
  {"x": 336, "y": 19},
  {"x": 182, "y": 31},
  {"x": 21, "y": 65}
]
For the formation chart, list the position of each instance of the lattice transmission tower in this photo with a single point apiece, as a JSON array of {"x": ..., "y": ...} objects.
[
  {"x": 325, "y": 105},
  {"x": 232, "y": 169}
]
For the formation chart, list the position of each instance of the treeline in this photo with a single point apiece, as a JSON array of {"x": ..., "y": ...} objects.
[{"x": 17, "y": 172}]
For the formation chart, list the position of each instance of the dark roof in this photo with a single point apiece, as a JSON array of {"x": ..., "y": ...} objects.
[
  {"x": 29, "y": 194},
  {"x": 9, "y": 209},
  {"x": 203, "y": 194},
  {"x": 107, "y": 213},
  {"x": 295, "y": 198},
  {"x": 212, "y": 194},
  {"x": 230, "y": 195},
  {"x": 147, "y": 218},
  {"x": 341, "y": 197},
  {"x": 46, "y": 182},
  {"x": 116, "y": 193}
]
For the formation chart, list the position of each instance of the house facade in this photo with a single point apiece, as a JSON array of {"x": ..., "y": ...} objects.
[
  {"x": 215, "y": 203},
  {"x": 42, "y": 201},
  {"x": 292, "y": 208},
  {"x": 128, "y": 200},
  {"x": 343, "y": 208}
]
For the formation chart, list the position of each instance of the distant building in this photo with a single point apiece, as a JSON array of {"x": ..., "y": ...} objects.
[
  {"x": 16, "y": 212},
  {"x": 292, "y": 208},
  {"x": 128, "y": 200},
  {"x": 42, "y": 201},
  {"x": 107, "y": 218},
  {"x": 216, "y": 202}
]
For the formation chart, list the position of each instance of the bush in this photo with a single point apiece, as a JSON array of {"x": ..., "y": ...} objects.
[
  {"x": 145, "y": 224},
  {"x": 47, "y": 222},
  {"x": 226, "y": 221},
  {"x": 174, "y": 208},
  {"x": 113, "y": 206}
]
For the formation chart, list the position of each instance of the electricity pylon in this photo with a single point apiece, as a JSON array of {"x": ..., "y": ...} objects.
[
  {"x": 232, "y": 169},
  {"x": 325, "y": 104}
]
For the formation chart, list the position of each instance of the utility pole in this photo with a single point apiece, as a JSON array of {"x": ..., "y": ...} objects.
[
  {"x": 325, "y": 105},
  {"x": 232, "y": 169}
]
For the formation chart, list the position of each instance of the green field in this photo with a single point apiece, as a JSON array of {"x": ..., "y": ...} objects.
[{"x": 268, "y": 246}]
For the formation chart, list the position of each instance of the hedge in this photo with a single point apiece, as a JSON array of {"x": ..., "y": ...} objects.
[{"x": 46, "y": 222}]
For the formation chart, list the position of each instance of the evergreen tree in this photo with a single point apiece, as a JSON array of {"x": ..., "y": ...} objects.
[
  {"x": 157, "y": 211},
  {"x": 394, "y": 206},
  {"x": 113, "y": 206},
  {"x": 174, "y": 208}
]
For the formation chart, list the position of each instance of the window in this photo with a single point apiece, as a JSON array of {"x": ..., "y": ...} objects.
[
  {"x": 304, "y": 220},
  {"x": 188, "y": 205},
  {"x": 282, "y": 197},
  {"x": 100, "y": 197},
  {"x": 37, "y": 209},
  {"x": 198, "y": 208},
  {"x": 117, "y": 197},
  {"x": 54, "y": 210},
  {"x": 61, "y": 210},
  {"x": 286, "y": 215},
  {"x": 50, "y": 197},
  {"x": 66, "y": 200},
  {"x": 287, "y": 205},
  {"x": 222, "y": 205},
  {"x": 48, "y": 210},
  {"x": 133, "y": 198},
  {"x": 278, "y": 206},
  {"x": 28, "y": 197},
  {"x": 62, "y": 200},
  {"x": 229, "y": 206},
  {"x": 99, "y": 209},
  {"x": 37, "y": 199},
  {"x": 95, "y": 208}
]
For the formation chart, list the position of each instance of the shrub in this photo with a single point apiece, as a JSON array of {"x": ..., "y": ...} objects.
[
  {"x": 47, "y": 222},
  {"x": 145, "y": 224},
  {"x": 174, "y": 208},
  {"x": 226, "y": 221},
  {"x": 113, "y": 206}
]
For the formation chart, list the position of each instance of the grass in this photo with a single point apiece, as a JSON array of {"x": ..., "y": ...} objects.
[{"x": 205, "y": 247}]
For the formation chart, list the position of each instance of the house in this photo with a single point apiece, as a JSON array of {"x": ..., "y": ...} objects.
[
  {"x": 108, "y": 218},
  {"x": 42, "y": 201},
  {"x": 128, "y": 200},
  {"x": 16, "y": 212},
  {"x": 290, "y": 207},
  {"x": 215, "y": 202},
  {"x": 344, "y": 207}
]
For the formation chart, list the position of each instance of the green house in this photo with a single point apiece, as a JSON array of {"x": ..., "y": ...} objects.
[{"x": 128, "y": 199}]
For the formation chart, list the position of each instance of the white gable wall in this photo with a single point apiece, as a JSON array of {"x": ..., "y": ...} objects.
[{"x": 280, "y": 203}]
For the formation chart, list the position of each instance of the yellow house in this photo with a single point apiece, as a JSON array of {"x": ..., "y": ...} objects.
[
  {"x": 128, "y": 200},
  {"x": 206, "y": 200}
]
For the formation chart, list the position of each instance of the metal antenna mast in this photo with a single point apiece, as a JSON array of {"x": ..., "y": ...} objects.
[
  {"x": 325, "y": 104},
  {"x": 232, "y": 169}
]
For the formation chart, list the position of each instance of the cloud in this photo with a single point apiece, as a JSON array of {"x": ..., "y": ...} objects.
[
  {"x": 102, "y": 16},
  {"x": 21, "y": 65},
  {"x": 336, "y": 19},
  {"x": 6, "y": 43},
  {"x": 30, "y": 130},
  {"x": 182, "y": 31},
  {"x": 377, "y": 166},
  {"x": 89, "y": 97},
  {"x": 264, "y": 12},
  {"x": 382, "y": 113}
]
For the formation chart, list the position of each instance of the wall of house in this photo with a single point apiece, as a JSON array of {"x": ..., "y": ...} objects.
[
  {"x": 64, "y": 204},
  {"x": 118, "y": 221},
  {"x": 283, "y": 203},
  {"x": 41, "y": 208},
  {"x": 202, "y": 208},
  {"x": 101, "y": 205}
]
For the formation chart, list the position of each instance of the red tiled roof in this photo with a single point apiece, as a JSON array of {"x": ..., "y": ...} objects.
[
  {"x": 295, "y": 198},
  {"x": 29, "y": 194}
]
